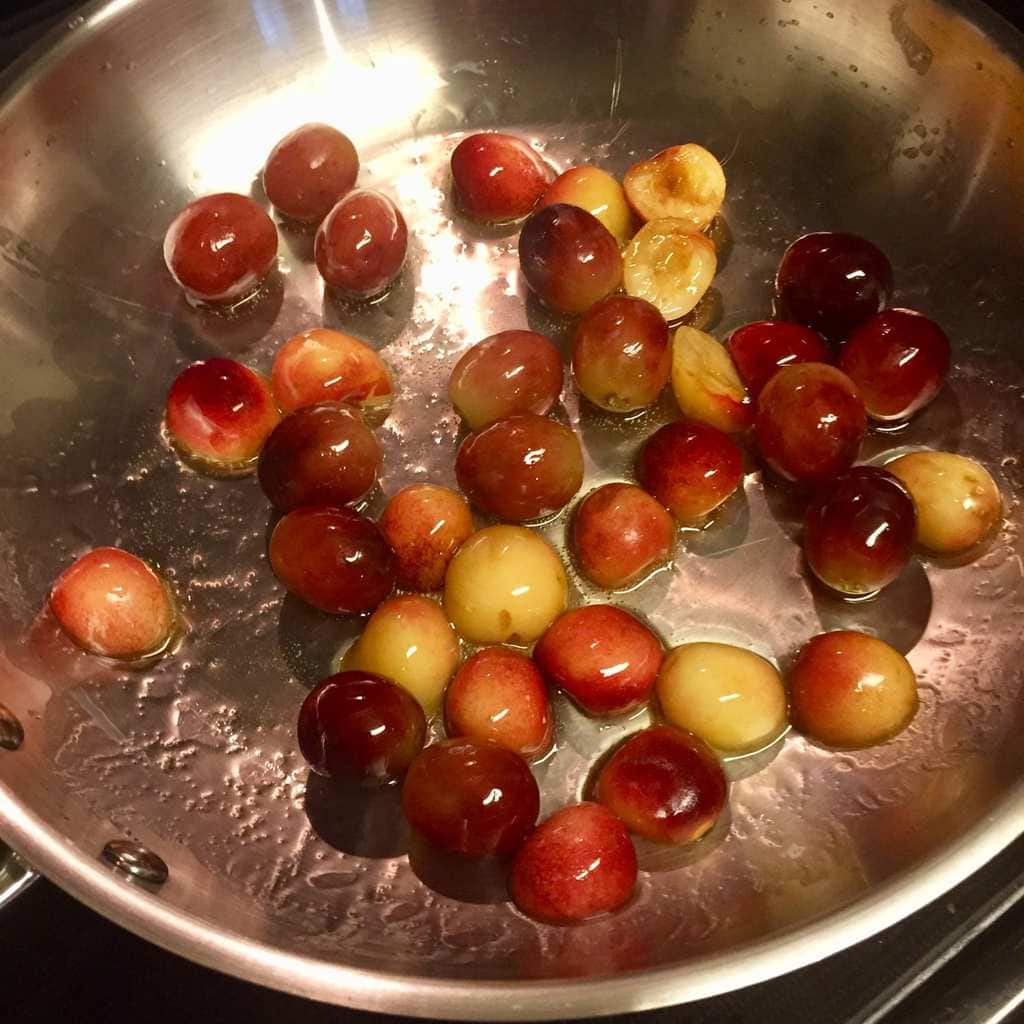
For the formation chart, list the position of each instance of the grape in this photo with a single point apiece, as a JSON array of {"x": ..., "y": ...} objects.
[
  {"x": 475, "y": 799},
  {"x": 360, "y": 725}
]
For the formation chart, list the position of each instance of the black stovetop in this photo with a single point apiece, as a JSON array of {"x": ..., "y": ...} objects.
[{"x": 960, "y": 960}]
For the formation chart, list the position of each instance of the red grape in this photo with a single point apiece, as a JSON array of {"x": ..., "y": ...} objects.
[
  {"x": 360, "y": 246},
  {"x": 848, "y": 689},
  {"x": 475, "y": 799},
  {"x": 898, "y": 360},
  {"x": 309, "y": 170},
  {"x": 759, "y": 350},
  {"x": 603, "y": 657},
  {"x": 110, "y": 602},
  {"x": 665, "y": 784},
  {"x": 220, "y": 247},
  {"x": 505, "y": 374},
  {"x": 425, "y": 525},
  {"x": 520, "y": 468},
  {"x": 833, "y": 281},
  {"x": 319, "y": 455},
  {"x": 333, "y": 558},
  {"x": 569, "y": 258},
  {"x": 500, "y": 695},
  {"x": 859, "y": 530},
  {"x": 578, "y": 863},
  {"x": 357, "y": 724},
  {"x": 498, "y": 178},
  {"x": 691, "y": 468},
  {"x": 323, "y": 365},
  {"x": 620, "y": 533},
  {"x": 810, "y": 422},
  {"x": 220, "y": 413},
  {"x": 620, "y": 354}
]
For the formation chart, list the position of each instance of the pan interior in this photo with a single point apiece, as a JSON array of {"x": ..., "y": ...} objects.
[{"x": 899, "y": 122}]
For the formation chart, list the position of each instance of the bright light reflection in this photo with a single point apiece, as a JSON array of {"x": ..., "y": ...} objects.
[
  {"x": 110, "y": 11},
  {"x": 327, "y": 33},
  {"x": 870, "y": 680},
  {"x": 226, "y": 151},
  {"x": 877, "y": 532}
]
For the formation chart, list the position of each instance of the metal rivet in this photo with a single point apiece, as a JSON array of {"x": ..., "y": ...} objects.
[
  {"x": 11, "y": 732},
  {"x": 135, "y": 860}
]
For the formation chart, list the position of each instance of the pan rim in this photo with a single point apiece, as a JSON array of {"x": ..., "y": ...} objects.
[{"x": 181, "y": 932}]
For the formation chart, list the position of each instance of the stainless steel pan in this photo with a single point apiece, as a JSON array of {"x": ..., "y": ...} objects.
[{"x": 901, "y": 121}]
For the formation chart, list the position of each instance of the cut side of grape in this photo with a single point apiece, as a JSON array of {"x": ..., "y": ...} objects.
[
  {"x": 669, "y": 265},
  {"x": 684, "y": 182}
]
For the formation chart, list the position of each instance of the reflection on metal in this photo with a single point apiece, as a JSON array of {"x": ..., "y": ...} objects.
[
  {"x": 273, "y": 23},
  {"x": 11, "y": 733},
  {"x": 15, "y": 877},
  {"x": 135, "y": 860}
]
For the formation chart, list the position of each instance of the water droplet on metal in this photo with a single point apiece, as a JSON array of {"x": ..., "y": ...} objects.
[
  {"x": 11, "y": 732},
  {"x": 135, "y": 860}
]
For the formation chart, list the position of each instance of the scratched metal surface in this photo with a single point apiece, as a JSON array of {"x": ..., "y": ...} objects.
[{"x": 902, "y": 123}]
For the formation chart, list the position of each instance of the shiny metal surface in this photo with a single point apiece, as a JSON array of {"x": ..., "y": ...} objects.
[
  {"x": 12, "y": 735},
  {"x": 899, "y": 121},
  {"x": 15, "y": 878},
  {"x": 135, "y": 860}
]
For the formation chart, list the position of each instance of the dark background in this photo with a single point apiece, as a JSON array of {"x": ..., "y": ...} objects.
[{"x": 959, "y": 960}]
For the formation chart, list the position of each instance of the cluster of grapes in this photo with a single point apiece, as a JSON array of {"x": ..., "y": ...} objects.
[{"x": 626, "y": 259}]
